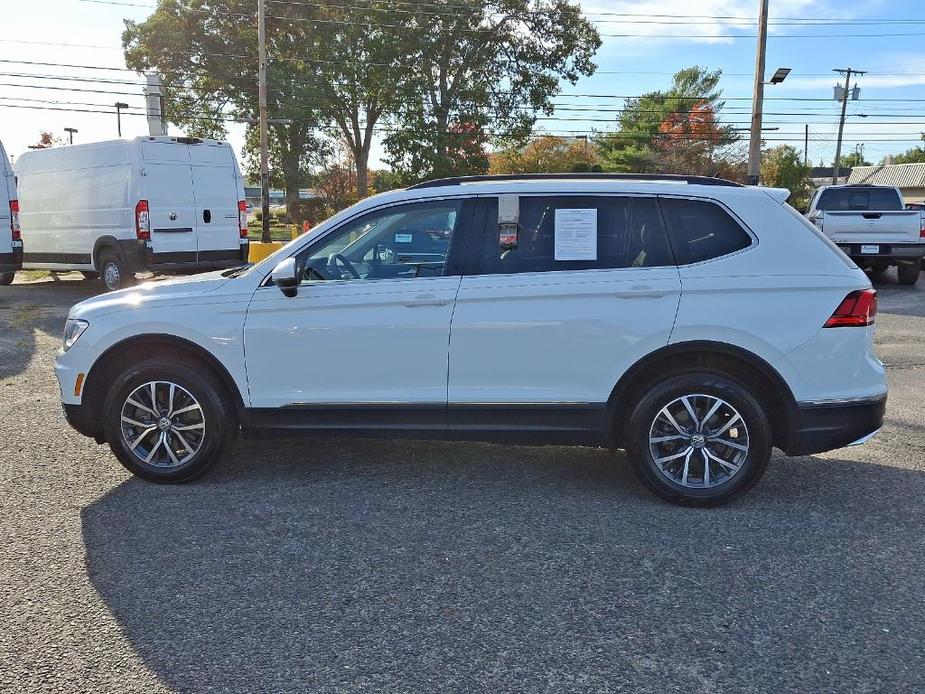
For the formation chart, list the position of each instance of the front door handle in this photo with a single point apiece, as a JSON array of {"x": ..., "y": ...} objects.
[{"x": 425, "y": 300}]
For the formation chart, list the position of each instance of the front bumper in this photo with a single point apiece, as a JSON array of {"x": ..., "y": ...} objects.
[{"x": 826, "y": 426}]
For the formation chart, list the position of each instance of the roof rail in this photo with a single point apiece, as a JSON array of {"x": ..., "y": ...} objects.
[{"x": 459, "y": 180}]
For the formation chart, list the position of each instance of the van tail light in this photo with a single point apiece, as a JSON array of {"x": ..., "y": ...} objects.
[
  {"x": 922, "y": 230},
  {"x": 242, "y": 218},
  {"x": 14, "y": 220},
  {"x": 856, "y": 310},
  {"x": 142, "y": 221}
]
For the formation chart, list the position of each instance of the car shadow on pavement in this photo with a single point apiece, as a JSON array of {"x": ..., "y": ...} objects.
[
  {"x": 35, "y": 306},
  {"x": 332, "y": 565}
]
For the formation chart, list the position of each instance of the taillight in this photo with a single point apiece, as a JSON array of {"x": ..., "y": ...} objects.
[
  {"x": 14, "y": 220},
  {"x": 856, "y": 309},
  {"x": 142, "y": 221},
  {"x": 242, "y": 218},
  {"x": 922, "y": 230}
]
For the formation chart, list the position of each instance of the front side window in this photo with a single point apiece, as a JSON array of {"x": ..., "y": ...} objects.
[
  {"x": 702, "y": 230},
  {"x": 405, "y": 241},
  {"x": 578, "y": 233}
]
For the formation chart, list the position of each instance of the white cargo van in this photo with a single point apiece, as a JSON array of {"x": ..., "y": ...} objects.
[
  {"x": 10, "y": 242},
  {"x": 118, "y": 207}
]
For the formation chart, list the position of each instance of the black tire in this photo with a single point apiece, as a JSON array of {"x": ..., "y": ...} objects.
[
  {"x": 113, "y": 272},
  {"x": 90, "y": 275},
  {"x": 217, "y": 414},
  {"x": 909, "y": 272},
  {"x": 6, "y": 278},
  {"x": 757, "y": 436}
]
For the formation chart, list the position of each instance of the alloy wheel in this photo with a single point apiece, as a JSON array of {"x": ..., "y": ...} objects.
[
  {"x": 699, "y": 441},
  {"x": 163, "y": 425}
]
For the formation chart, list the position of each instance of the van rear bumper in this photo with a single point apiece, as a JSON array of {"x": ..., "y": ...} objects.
[
  {"x": 11, "y": 262},
  {"x": 826, "y": 426},
  {"x": 141, "y": 257}
]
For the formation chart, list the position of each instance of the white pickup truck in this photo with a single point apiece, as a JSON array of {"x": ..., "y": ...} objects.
[{"x": 871, "y": 225}]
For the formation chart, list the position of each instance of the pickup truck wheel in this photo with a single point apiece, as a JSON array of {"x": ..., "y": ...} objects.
[
  {"x": 909, "y": 272},
  {"x": 168, "y": 421},
  {"x": 113, "y": 271},
  {"x": 6, "y": 278},
  {"x": 699, "y": 439}
]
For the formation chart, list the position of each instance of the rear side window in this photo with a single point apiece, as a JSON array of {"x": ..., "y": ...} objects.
[
  {"x": 625, "y": 232},
  {"x": 846, "y": 199},
  {"x": 702, "y": 230}
]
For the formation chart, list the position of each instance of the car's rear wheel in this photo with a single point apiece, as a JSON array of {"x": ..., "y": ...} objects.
[
  {"x": 113, "y": 272},
  {"x": 909, "y": 272},
  {"x": 169, "y": 421},
  {"x": 699, "y": 439},
  {"x": 6, "y": 278}
]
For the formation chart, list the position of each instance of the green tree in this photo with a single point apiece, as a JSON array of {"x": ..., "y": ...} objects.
[
  {"x": 675, "y": 130},
  {"x": 915, "y": 155},
  {"x": 782, "y": 167},
  {"x": 853, "y": 159},
  {"x": 480, "y": 64}
]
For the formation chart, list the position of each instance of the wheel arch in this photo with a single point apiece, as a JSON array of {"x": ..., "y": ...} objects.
[
  {"x": 102, "y": 243},
  {"x": 138, "y": 347},
  {"x": 767, "y": 384}
]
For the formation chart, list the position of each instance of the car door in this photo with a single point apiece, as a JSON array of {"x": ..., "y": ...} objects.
[
  {"x": 214, "y": 177},
  {"x": 366, "y": 338},
  {"x": 167, "y": 185},
  {"x": 542, "y": 332}
]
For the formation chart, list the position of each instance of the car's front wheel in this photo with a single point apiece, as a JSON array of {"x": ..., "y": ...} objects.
[
  {"x": 168, "y": 420},
  {"x": 699, "y": 439}
]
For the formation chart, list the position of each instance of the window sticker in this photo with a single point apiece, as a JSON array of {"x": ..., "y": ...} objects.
[
  {"x": 576, "y": 234},
  {"x": 403, "y": 238}
]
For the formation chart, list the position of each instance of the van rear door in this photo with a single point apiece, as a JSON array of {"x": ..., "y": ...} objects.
[
  {"x": 167, "y": 185},
  {"x": 215, "y": 188}
]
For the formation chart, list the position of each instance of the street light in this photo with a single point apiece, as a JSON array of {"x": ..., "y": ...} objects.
[
  {"x": 779, "y": 75},
  {"x": 70, "y": 133},
  {"x": 119, "y": 106}
]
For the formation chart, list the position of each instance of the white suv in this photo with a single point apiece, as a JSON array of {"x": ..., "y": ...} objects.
[{"x": 694, "y": 322}]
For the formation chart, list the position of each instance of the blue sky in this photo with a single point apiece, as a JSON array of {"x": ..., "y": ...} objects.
[{"x": 652, "y": 39}]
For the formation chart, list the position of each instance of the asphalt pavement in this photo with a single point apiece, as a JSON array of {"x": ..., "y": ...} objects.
[{"x": 327, "y": 565}]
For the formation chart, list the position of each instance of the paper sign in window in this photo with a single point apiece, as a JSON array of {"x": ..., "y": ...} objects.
[{"x": 576, "y": 234}]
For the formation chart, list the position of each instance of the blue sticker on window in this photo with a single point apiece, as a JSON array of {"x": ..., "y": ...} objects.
[{"x": 402, "y": 238}]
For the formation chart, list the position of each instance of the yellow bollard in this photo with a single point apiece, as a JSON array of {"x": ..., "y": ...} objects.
[
  {"x": 294, "y": 231},
  {"x": 257, "y": 250}
]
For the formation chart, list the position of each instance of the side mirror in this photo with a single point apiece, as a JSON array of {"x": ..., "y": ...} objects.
[{"x": 286, "y": 277}]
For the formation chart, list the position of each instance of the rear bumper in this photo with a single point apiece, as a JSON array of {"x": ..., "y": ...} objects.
[
  {"x": 11, "y": 262},
  {"x": 824, "y": 427},
  {"x": 140, "y": 257},
  {"x": 895, "y": 251}
]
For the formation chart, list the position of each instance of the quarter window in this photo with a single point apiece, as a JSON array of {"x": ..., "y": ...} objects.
[
  {"x": 625, "y": 232},
  {"x": 702, "y": 230},
  {"x": 399, "y": 242}
]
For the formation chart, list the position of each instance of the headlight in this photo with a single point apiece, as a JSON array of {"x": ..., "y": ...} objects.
[{"x": 73, "y": 329}]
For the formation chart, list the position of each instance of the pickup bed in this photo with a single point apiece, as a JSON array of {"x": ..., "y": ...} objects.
[{"x": 871, "y": 225}]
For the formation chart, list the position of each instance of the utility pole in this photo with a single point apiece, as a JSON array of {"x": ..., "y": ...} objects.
[
  {"x": 754, "y": 143},
  {"x": 70, "y": 133},
  {"x": 119, "y": 106},
  {"x": 847, "y": 72},
  {"x": 264, "y": 135},
  {"x": 806, "y": 145}
]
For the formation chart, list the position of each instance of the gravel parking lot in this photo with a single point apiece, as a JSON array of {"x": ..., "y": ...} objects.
[{"x": 335, "y": 566}]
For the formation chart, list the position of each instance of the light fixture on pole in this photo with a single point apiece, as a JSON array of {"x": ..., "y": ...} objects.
[
  {"x": 119, "y": 106},
  {"x": 70, "y": 133}
]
